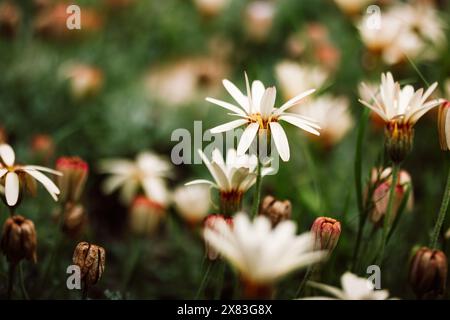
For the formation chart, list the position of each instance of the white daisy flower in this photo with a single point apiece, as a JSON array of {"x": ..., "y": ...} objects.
[
  {"x": 148, "y": 172},
  {"x": 13, "y": 176},
  {"x": 353, "y": 288},
  {"x": 402, "y": 105},
  {"x": 257, "y": 111},
  {"x": 262, "y": 255},
  {"x": 332, "y": 114}
]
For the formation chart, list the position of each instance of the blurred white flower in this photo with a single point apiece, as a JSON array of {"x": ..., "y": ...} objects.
[
  {"x": 379, "y": 39},
  {"x": 259, "y": 17},
  {"x": 148, "y": 172},
  {"x": 262, "y": 255},
  {"x": 258, "y": 113},
  {"x": 352, "y": 7},
  {"x": 192, "y": 78},
  {"x": 403, "y": 105},
  {"x": 353, "y": 288},
  {"x": 332, "y": 114},
  {"x": 211, "y": 223},
  {"x": 14, "y": 176},
  {"x": 192, "y": 202},
  {"x": 295, "y": 78}
]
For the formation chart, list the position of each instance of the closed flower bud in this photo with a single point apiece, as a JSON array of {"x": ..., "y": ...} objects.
[
  {"x": 211, "y": 222},
  {"x": 428, "y": 273},
  {"x": 380, "y": 197},
  {"x": 43, "y": 147},
  {"x": 444, "y": 125},
  {"x": 145, "y": 215},
  {"x": 19, "y": 239},
  {"x": 276, "y": 210},
  {"x": 326, "y": 233},
  {"x": 399, "y": 136},
  {"x": 91, "y": 260},
  {"x": 71, "y": 183},
  {"x": 75, "y": 220},
  {"x": 192, "y": 202}
]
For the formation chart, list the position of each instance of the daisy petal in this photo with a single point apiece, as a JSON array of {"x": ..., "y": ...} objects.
[
  {"x": 7, "y": 154},
  {"x": 268, "y": 101},
  {"x": 247, "y": 138},
  {"x": 236, "y": 94},
  {"x": 280, "y": 139},
  {"x": 302, "y": 124},
  {"x": 294, "y": 101},
  {"x": 227, "y": 106},
  {"x": 40, "y": 168},
  {"x": 228, "y": 126},
  {"x": 45, "y": 181},
  {"x": 11, "y": 188}
]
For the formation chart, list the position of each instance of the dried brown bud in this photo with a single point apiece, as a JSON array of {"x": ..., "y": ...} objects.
[
  {"x": 91, "y": 260},
  {"x": 326, "y": 233},
  {"x": 75, "y": 220},
  {"x": 10, "y": 18},
  {"x": 276, "y": 210},
  {"x": 428, "y": 273},
  {"x": 19, "y": 239}
]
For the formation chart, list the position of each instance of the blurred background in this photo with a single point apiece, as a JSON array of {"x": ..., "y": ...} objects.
[{"x": 139, "y": 69}]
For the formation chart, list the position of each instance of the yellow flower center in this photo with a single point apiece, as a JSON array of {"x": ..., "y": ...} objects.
[{"x": 262, "y": 121}]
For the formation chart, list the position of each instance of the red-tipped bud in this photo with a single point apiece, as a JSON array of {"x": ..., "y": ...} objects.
[
  {"x": 326, "y": 233},
  {"x": 145, "y": 215},
  {"x": 428, "y": 273},
  {"x": 71, "y": 183}
]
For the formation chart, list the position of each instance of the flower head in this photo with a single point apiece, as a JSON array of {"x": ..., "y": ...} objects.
[
  {"x": 14, "y": 176},
  {"x": 326, "y": 233},
  {"x": 75, "y": 171},
  {"x": 400, "y": 108},
  {"x": 91, "y": 260},
  {"x": 145, "y": 215},
  {"x": 257, "y": 111},
  {"x": 353, "y": 288},
  {"x": 262, "y": 255},
  {"x": 148, "y": 172},
  {"x": 19, "y": 239}
]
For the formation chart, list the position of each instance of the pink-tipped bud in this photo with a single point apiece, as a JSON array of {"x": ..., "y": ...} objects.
[
  {"x": 444, "y": 126},
  {"x": 211, "y": 223},
  {"x": 326, "y": 233},
  {"x": 428, "y": 273},
  {"x": 71, "y": 183},
  {"x": 145, "y": 215}
]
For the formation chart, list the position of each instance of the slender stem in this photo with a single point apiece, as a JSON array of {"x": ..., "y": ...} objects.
[
  {"x": 12, "y": 274},
  {"x": 132, "y": 266},
  {"x": 22, "y": 283},
  {"x": 309, "y": 271},
  {"x": 204, "y": 280},
  {"x": 441, "y": 216},
  {"x": 387, "y": 217},
  {"x": 257, "y": 197},
  {"x": 221, "y": 276}
]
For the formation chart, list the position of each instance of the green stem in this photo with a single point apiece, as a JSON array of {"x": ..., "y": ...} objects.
[
  {"x": 22, "y": 283},
  {"x": 204, "y": 280},
  {"x": 387, "y": 217},
  {"x": 221, "y": 276},
  {"x": 441, "y": 216},
  {"x": 132, "y": 266},
  {"x": 257, "y": 197},
  {"x": 309, "y": 271}
]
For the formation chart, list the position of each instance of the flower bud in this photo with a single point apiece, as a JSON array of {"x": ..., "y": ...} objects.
[
  {"x": 399, "y": 138},
  {"x": 259, "y": 19},
  {"x": 72, "y": 182},
  {"x": 91, "y": 260},
  {"x": 192, "y": 202},
  {"x": 276, "y": 210},
  {"x": 380, "y": 196},
  {"x": 326, "y": 233},
  {"x": 428, "y": 273},
  {"x": 211, "y": 223},
  {"x": 444, "y": 126},
  {"x": 145, "y": 215},
  {"x": 10, "y": 18},
  {"x": 19, "y": 239},
  {"x": 43, "y": 147},
  {"x": 75, "y": 220}
]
